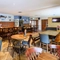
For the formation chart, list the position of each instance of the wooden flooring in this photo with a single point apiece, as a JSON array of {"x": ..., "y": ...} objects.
[{"x": 10, "y": 50}]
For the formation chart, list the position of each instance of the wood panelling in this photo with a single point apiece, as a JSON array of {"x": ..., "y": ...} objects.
[{"x": 7, "y": 24}]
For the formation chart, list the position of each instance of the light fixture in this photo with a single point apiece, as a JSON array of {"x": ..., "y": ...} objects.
[{"x": 19, "y": 12}]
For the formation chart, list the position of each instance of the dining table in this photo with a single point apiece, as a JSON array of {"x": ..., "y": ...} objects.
[
  {"x": 24, "y": 37},
  {"x": 46, "y": 56},
  {"x": 50, "y": 32},
  {"x": 21, "y": 36},
  {"x": 5, "y": 56}
]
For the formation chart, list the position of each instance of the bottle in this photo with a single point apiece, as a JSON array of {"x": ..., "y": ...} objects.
[{"x": 25, "y": 32}]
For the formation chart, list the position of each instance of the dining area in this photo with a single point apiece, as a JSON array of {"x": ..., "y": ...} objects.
[{"x": 33, "y": 46}]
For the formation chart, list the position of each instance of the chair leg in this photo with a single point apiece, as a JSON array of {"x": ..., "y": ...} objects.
[
  {"x": 47, "y": 47},
  {"x": 40, "y": 44}
]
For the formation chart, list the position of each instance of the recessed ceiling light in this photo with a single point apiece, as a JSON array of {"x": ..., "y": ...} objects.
[{"x": 13, "y": 3}]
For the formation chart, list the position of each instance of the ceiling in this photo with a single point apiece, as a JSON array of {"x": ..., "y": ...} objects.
[{"x": 32, "y": 8}]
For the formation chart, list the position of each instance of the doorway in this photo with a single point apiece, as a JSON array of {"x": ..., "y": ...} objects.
[{"x": 44, "y": 24}]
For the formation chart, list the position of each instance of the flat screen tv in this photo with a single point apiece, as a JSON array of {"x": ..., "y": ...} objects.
[{"x": 55, "y": 19}]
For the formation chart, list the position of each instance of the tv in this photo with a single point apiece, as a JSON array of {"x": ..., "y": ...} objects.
[{"x": 55, "y": 19}]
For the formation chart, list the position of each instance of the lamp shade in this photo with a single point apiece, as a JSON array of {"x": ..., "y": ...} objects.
[{"x": 57, "y": 39}]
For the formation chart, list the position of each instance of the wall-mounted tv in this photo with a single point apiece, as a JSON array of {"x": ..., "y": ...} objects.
[{"x": 55, "y": 19}]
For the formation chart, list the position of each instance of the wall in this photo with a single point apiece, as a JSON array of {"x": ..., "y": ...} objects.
[
  {"x": 51, "y": 24},
  {"x": 24, "y": 18},
  {"x": 6, "y": 24},
  {"x": 8, "y": 18},
  {"x": 18, "y": 18}
]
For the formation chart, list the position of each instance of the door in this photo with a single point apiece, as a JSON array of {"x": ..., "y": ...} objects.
[{"x": 44, "y": 24}]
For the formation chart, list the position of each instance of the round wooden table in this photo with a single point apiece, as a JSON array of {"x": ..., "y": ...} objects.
[{"x": 21, "y": 36}]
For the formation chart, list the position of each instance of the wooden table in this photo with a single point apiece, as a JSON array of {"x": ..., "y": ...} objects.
[
  {"x": 20, "y": 36},
  {"x": 46, "y": 56},
  {"x": 5, "y": 56},
  {"x": 49, "y": 32}
]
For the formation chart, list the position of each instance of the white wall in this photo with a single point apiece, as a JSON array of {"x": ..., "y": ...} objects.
[
  {"x": 16, "y": 22},
  {"x": 39, "y": 25}
]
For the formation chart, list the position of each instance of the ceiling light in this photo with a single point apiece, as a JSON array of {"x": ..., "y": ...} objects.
[
  {"x": 19, "y": 12},
  {"x": 13, "y": 3}
]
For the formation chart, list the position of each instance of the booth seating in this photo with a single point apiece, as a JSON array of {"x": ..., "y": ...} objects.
[
  {"x": 51, "y": 28},
  {"x": 4, "y": 32}
]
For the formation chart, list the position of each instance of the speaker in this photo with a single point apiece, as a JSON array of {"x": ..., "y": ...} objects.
[
  {"x": 38, "y": 18},
  {"x": 20, "y": 17}
]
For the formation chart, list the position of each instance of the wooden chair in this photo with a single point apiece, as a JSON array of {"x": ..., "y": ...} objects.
[
  {"x": 27, "y": 43},
  {"x": 55, "y": 49},
  {"x": 16, "y": 47},
  {"x": 57, "y": 39},
  {"x": 30, "y": 53},
  {"x": 33, "y": 52}
]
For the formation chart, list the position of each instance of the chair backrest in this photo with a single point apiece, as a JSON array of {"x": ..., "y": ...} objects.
[
  {"x": 57, "y": 39},
  {"x": 44, "y": 38},
  {"x": 53, "y": 48},
  {"x": 51, "y": 28},
  {"x": 38, "y": 50},
  {"x": 30, "y": 37},
  {"x": 32, "y": 53}
]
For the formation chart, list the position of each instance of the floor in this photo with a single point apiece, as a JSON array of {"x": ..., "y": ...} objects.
[{"x": 10, "y": 50}]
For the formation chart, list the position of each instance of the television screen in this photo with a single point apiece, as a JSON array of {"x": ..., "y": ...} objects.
[{"x": 55, "y": 19}]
